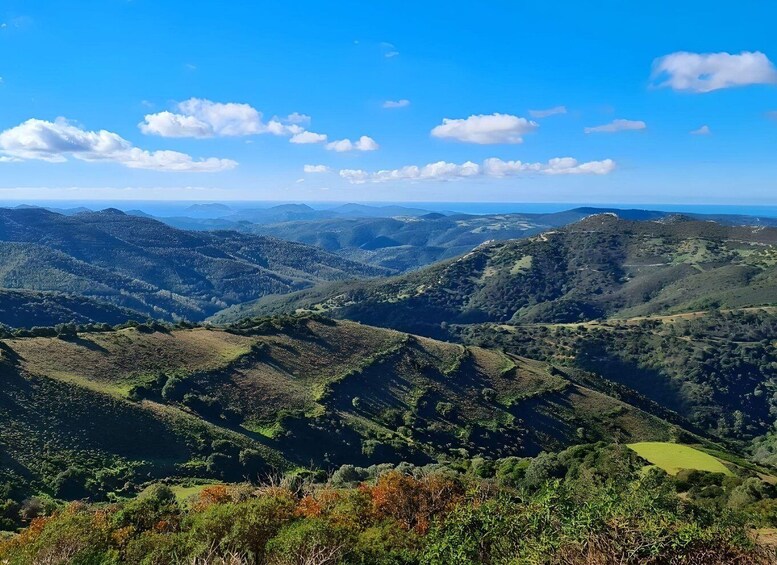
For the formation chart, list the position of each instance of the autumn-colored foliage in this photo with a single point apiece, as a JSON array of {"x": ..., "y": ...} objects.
[
  {"x": 414, "y": 502},
  {"x": 216, "y": 494}
]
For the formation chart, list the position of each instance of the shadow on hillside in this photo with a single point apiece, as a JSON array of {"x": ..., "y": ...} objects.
[
  {"x": 81, "y": 342},
  {"x": 542, "y": 416},
  {"x": 651, "y": 383}
]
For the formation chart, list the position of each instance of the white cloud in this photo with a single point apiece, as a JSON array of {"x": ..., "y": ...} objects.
[
  {"x": 772, "y": 115},
  {"x": 201, "y": 118},
  {"x": 548, "y": 112},
  {"x": 703, "y": 130},
  {"x": 355, "y": 176},
  {"x": 618, "y": 125},
  {"x": 485, "y": 129},
  {"x": 396, "y": 103},
  {"x": 316, "y": 169},
  {"x": 491, "y": 168},
  {"x": 307, "y": 137},
  {"x": 297, "y": 118},
  {"x": 705, "y": 72},
  {"x": 364, "y": 143},
  {"x": 55, "y": 141},
  {"x": 389, "y": 50}
]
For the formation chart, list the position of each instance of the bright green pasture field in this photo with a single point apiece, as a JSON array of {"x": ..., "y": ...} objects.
[{"x": 673, "y": 457}]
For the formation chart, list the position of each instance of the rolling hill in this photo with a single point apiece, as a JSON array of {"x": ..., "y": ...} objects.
[
  {"x": 27, "y": 309},
  {"x": 145, "y": 265},
  {"x": 600, "y": 267},
  {"x": 403, "y": 242},
  {"x": 106, "y": 411},
  {"x": 404, "y": 239},
  {"x": 716, "y": 368}
]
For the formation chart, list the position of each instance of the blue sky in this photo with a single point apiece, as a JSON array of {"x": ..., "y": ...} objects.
[{"x": 115, "y": 99}]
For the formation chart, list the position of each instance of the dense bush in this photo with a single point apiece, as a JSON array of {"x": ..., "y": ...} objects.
[{"x": 601, "y": 507}]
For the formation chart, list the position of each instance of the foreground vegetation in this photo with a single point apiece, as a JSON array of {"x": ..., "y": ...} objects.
[{"x": 589, "y": 504}]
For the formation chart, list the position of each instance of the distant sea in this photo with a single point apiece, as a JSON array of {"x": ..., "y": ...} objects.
[{"x": 178, "y": 208}]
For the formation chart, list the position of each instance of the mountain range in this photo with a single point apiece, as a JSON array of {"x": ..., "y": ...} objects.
[
  {"x": 404, "y": 239},
  {"x": 154, "y": 269},
  {"x": 600, "y": 267}
]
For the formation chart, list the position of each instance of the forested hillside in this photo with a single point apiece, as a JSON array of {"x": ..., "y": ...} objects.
[
  {"x": 404, "y": 239},
  {"x": 718, "y": 369},
  {"x": 600, "y": 267},
  {"x": 147, "y": 266},
  {"x": 27, "y": 309}
]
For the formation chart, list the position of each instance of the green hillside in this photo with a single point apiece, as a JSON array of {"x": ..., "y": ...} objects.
[
  {"x": 160, "y": 271},
  {"x": 717, "y": 369},
  {"x": 105, "y": 411},
  {"x": 26, "y": 309},
  {"x": 600, "y": 267},
  {"x": 406, "y": 239}
]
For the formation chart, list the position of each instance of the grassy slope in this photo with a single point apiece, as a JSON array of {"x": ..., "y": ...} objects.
[
  {"x": 300, "y": 391},
  {"x": 674, "y": 457}
]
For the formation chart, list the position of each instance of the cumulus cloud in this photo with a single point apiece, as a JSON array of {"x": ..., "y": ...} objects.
[
  {"x": 491, "y": 168},
  {"x": 316, "y": 169},
  {"x": 703, "y": 130},
  {"x": 618, "y": 125},
  {"x": 201, "y": 118},
  {"x": 55, "y": 141},
  {"x": 705, "y": 72},
  {"x": 364, "y": 143},
  {"x": 548, "y": 112},
  {"x": 307, "y": 137},
  {"x": 396, "y": 103},
  {"x": 485, "y": 129}
]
